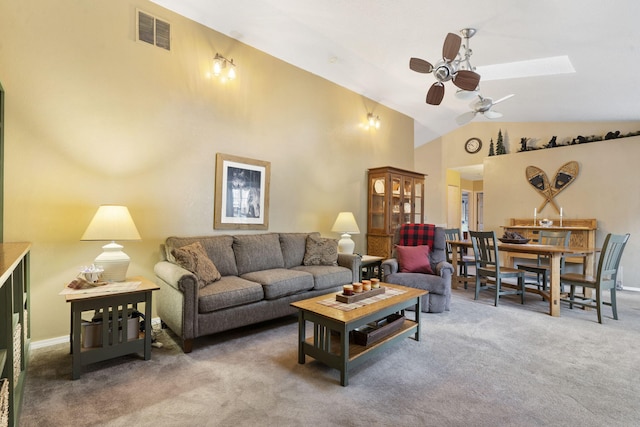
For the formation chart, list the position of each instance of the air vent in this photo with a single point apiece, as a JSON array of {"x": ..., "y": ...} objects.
[{"x": 154, "y": 31}]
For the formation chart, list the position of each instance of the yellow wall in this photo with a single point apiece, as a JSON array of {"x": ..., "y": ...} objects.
[
  {"x": 604, "y": 188},
  {"x": 94, "y": 117}
]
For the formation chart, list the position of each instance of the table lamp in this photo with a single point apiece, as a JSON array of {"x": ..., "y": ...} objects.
[
  {"x": 112, "y": 223},
  {"x": 346, "y": 225}
]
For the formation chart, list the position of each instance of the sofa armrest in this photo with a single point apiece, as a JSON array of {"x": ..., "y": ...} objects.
[
  {"x": 389, "y": 266},
  {"x": 444, "y": 270},
  {"x": 353, "y": 262},
  {"x": 178, "y": 300}
]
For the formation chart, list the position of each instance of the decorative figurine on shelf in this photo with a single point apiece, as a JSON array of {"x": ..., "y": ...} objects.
[
  {"x": 500, "y": 148},
  {"x": 552, "y": 142}
]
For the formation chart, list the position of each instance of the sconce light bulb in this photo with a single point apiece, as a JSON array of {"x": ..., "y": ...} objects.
[
  {"x": 217, "y": 67},
  {"x": 372, "y": 120},
  {"x": 377, "y": 122},
  {"x": 232, "y": 72}
]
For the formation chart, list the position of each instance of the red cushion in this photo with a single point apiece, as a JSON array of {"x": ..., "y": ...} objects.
[{"x": 414, "y": 259}]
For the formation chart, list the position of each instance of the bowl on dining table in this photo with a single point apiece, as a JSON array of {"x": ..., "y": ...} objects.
[{"x": 516, "y": 241}]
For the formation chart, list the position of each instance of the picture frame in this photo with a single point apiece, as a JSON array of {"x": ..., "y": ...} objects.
[{"x": 241, "y": 193}]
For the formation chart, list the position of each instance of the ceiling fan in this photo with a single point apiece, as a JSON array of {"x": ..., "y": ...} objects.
[
  {"x": 453, "y": 66},
  {"x": 481, "y": 106}
]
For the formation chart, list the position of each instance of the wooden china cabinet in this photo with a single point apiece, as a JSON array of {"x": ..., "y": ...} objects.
[{"x": 396, "y": 196}]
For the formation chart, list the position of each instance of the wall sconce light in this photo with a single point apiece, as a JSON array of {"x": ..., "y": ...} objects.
[
  {"x": 220, "y": 63},
  {"x": 374, "y": 121}
]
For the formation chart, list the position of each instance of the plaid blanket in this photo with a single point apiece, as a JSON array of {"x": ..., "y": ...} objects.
[{"x": 417, "y": 234}]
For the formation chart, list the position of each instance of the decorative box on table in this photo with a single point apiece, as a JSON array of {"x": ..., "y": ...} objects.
[{"x": 375, "y": 331}]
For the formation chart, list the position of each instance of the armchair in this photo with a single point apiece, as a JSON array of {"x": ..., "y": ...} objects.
[{"x": 438, "y": 283}]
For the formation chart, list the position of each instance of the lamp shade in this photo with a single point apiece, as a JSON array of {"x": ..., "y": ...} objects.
[
  {"x": 345, "y": 223},
  {"x": 112, "y": 223}
]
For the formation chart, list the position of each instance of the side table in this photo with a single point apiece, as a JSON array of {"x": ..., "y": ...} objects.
[
  {"x": 369, "y": 265},
  {"x": 116, "y": 308}
]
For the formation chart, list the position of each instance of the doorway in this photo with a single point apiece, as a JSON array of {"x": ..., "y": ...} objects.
[
  {"x": 465, "y": 213},
  {"x": 479, "y": 211}
]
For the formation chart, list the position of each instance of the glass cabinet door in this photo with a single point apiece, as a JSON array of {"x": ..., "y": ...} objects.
[
  {"x": 407, "y": 200},
  {"x": 377, "y": 190},
  {"x": 396, "y": 202},
  {"x": 418, "y": 202}
]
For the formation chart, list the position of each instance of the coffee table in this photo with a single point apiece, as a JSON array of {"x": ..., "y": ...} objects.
[{"x": 330, "y": 342}]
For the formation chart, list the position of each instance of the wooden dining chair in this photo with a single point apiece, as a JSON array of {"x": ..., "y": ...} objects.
[
  {"x": 485, "y": 250},
  {"x": 540, "y": 270},
  {"x": 605, "y": 278},
  {"x": 464, "y": 260}
]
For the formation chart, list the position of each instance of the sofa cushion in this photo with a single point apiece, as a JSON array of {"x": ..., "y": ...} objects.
[
  {"x": 256, "y": 252},
  {"x": 293, "y": 247},
  {"x": 280, "y": 282},
  {"x": 414, "y": 259},
  {"x": 327, "y": 276},
  {"x": 320, "y": 251},
  {"x": 194, "y": 258},
  {"x": 229, "y": 291},
  {"x": 218, "y": 248}
]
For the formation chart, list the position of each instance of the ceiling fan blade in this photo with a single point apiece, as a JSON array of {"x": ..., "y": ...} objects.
[
  {"x": 465, "y": 118},
  {"x": 467, "y": 80},
  {"x": 451, "y": 47},
  {"x": 435, "y": 94},
  {"x": 420, "y": 65},
  {"x": 490, "y": 114},
  {"x": 502, "y": 99}
]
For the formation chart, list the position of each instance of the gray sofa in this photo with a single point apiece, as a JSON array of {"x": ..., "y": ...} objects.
[
  {"x": 438, "y": 284},
  {"x": 261, "y": 274}
]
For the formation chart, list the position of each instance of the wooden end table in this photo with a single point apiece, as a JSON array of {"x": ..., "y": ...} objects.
[
  {"x": 116, "y": 308},
  {"x": 369, "y": 263},
  {"x": 332, "y": 326}
]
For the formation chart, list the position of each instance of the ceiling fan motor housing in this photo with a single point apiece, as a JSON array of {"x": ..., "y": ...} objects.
[{"x": 444, "y": 71}]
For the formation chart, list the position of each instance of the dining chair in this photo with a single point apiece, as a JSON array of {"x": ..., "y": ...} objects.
[
  {"x": 485, "y": 250},
  {"x": 605, "y": 278},
  {"x": 542, "y": 266},
  {"x": 464, "y": 260}
]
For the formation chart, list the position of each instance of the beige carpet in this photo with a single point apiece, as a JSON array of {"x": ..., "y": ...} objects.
[{"x": 476, "y": 365}]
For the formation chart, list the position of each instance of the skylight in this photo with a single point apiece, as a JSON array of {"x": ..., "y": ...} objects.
[{"x": 531, "y": 68}]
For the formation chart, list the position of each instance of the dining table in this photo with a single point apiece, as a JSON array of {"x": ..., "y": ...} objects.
[{"x": 555, "y": 253}]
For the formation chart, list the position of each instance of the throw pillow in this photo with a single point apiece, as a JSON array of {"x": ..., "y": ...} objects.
[
  {"x": 320, "y": 251},
  {"x": 194, "y": 258},
  {"x": 414, "y": 259}
]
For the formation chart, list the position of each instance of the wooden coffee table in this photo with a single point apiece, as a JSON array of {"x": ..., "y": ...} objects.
[{"x": 330, "y": 342}]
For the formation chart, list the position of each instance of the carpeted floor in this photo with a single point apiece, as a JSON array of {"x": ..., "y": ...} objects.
[{"x": 476, "y": 365}]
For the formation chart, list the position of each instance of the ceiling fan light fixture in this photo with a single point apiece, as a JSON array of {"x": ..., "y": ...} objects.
[{"x": 466, "y": 95}]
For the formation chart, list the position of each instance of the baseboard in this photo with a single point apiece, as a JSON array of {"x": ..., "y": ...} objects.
[
  {"x": 65, "y": 338},
  {"x": 49, "y": 342}
]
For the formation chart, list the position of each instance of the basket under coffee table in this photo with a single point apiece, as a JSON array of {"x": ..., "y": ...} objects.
[{"x": 333, "y": 324}]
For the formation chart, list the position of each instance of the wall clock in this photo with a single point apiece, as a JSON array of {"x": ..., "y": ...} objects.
[{"x": 473, "y": 145}]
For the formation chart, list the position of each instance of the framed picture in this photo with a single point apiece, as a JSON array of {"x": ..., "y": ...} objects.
[{"x": 242, "y": 193}]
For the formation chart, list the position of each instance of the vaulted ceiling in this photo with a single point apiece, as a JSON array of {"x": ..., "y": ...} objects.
[{"x": 365, "y": 46}]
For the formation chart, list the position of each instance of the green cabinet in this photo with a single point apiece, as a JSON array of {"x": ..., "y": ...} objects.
[{"x": 15, "y": 333}]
